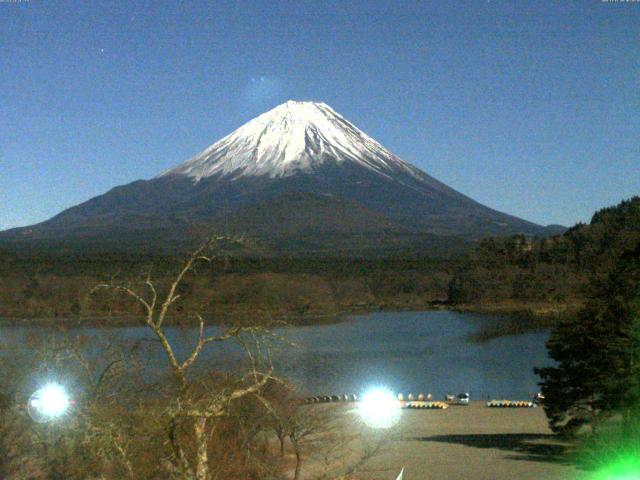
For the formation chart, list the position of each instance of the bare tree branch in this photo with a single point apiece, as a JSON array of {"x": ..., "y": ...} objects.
[
  {"x": 171, "y": 296},
  {"x": 127, "y": 290}
]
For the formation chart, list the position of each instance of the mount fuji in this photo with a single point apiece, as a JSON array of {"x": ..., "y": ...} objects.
[{"x": 299, "y": 177}]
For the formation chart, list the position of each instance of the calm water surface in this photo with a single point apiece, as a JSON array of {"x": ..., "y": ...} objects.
[{"x": 407, "y": 352}]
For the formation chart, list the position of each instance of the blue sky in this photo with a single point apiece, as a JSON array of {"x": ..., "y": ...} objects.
[{"x": 532, "y": 108}]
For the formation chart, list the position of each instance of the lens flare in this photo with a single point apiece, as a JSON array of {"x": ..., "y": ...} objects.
[
  {"x": 625, "y": 468},
  {"x": 379, "y": 408},
  {"x": 48, "y": 403}
]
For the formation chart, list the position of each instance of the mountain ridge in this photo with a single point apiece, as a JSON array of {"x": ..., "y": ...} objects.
[{"x": 296, "y": 148}]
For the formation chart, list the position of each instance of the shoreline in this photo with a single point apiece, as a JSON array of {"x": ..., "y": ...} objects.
[{"x": 519, "y": 318}]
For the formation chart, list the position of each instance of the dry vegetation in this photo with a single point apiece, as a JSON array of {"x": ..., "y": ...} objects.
[
  {"x": 291, "y": 289},
  {"x": 133, "y": 421}
]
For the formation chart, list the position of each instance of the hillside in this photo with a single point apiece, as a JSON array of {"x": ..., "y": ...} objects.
[{"x": 552, "y": 272}]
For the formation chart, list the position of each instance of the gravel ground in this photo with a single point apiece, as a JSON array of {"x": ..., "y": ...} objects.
[{"x": 473, "y": 442}]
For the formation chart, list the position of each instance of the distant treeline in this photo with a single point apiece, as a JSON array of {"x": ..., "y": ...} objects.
[
  {"x": 36, "y": 285},
  {"x": 510, "y": 274},
  {"x": 554, "y": 271}
]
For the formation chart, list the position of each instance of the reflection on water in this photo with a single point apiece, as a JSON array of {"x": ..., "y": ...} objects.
[{"x": 408, "y": 351}]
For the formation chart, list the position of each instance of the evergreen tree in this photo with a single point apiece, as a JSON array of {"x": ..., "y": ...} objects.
[{"x": 597, "y": 354}]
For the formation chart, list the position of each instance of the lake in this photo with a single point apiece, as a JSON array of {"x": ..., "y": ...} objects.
[{"x": 405, "y": 351}]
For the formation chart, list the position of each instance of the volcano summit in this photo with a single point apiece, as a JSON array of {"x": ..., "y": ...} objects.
[
  {"x": 300, "y": 177},
  {"x": 294, "y": 137}
]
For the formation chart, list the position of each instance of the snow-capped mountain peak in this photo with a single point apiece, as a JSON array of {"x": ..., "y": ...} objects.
[
  {"x": 293, "y": 137},
  {"x": 298, "y": 178}
]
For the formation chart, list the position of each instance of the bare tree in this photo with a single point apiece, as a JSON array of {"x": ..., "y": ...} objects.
[
  {"x": 97, "y": 382},
  {"x": 171, "y": 428},
  {"x": 344, "y": 445},
  {"x": 328, "y": 437},
  {"x": 13, "y": 421},
  {"x": 189, "y": 404}
]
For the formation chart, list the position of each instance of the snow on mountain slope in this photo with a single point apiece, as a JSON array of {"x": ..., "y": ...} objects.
[
  {"x": 299, "y": 175},
  {"x": 293, "y": 137}
]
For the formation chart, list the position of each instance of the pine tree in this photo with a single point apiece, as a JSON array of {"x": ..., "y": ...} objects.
[{"x": 597, "y": 354}]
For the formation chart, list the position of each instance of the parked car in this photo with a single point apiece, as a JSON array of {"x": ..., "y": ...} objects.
[
  {"x": 460, "y": 399},
  {"x": 538, "y": 399}
]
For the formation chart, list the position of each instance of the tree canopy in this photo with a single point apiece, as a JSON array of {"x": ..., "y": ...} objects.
[{"x": 598, "y": 352}]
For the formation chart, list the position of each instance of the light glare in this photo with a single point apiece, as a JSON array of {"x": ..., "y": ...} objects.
[
  {"x": 625, "y": 467},
  {"x": 49, "y": 402},
  {"x": 379, "y": 408}
]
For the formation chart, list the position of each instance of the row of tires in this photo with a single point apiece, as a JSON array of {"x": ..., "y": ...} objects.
[
  {"x": 426, "y": 405},
  {"x": 510, "y": 404},
  {"x": 332, "y": 398},
  {"x": 418, "y": 404}
]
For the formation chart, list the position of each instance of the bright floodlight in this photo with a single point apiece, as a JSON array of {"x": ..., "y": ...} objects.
[
  {"x": 379, "y": 408},
  {"x": 48, "y": 403}
]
